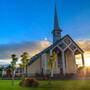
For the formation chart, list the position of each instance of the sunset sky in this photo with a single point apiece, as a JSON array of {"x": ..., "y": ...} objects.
[{"x": 24, "y": 23}]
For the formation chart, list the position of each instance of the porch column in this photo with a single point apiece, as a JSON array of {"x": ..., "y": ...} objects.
[
  {"x": 51, "y": 72},
  {"x": 83, "y": 63},
  {"x": 63, "y": 62},
  {"x": 74, "y": 63}
]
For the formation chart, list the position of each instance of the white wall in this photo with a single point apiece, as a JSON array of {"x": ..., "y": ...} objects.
[
  {"x": 34, "y": 68},
  {"x": 42, "y": 62},
  {"x": 44, "y": 59}
]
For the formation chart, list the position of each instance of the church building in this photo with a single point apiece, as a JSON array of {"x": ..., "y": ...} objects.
[{"x": 65, "y": 48}]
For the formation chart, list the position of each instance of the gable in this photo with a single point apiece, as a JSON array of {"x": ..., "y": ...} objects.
[
  {"x": 72, "y": 44},
  {"x": 67, "y": 42},
  {"x": 63, "y": 44}
]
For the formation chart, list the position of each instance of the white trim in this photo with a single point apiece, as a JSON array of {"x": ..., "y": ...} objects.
[
  {"x": 75, "y": 49},
  {"x": 83, "y": 63},
  {"x": 63, "y": 62},
  {"x": 69, "y": 39},
  {"x": 69, "y": 49},
  {"x": 55, "y": 47},
  {"x": 68, "y": 46},
  {"x": 60, "y": 48},
  {"x": 75, "y": 63}
]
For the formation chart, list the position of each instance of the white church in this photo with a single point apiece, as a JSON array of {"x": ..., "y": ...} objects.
[{"x": 66, "y": 50}]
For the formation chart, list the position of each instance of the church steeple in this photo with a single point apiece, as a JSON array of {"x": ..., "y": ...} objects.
[
  {"x": 56, "y": 24},
  {"x": 56, "y": 31}
]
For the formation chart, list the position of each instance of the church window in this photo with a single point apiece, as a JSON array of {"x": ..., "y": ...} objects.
[
  {"x": 62, "y": 45},
  {"x": 67, "y": 41},
  {"x": 72, "y": 46}
]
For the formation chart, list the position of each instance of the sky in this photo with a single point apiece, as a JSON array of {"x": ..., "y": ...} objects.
[{"x": 31, "y": 21}]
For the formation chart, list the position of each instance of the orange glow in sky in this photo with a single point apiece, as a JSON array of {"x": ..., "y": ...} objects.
[{"x": 86, "y": 59}]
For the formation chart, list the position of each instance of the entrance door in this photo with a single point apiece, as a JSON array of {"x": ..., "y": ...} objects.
[{"x": 59, "y": 60}]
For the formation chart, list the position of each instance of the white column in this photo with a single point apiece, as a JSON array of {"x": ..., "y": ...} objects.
[
  {"x": 83, "y": 63},
  {"x": 51, "y": 72},
  {"x": 46, "y": 63},
  {"x": 63, "y": 62},
  {"x": 74, "y": 63}
]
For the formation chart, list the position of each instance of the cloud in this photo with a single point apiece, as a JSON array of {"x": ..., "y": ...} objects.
[
  {"x": 32, "y": 48},
  {"x": 84, "y": 44},
  {"x": 18, "y": 48}
]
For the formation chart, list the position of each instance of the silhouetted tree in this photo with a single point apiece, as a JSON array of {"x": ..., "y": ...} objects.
[
  {"x": 25, "y": 59},
  {"x": 13, "y": 64}
]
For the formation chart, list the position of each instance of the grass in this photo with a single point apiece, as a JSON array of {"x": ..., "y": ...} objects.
[{"x": 56, "y": 85}]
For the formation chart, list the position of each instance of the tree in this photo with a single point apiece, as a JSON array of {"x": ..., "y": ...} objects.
[
  {"x": 1, "y": 70},
  {"x": 51, "y": 63},
  {"x": 25, "y": 59},
  {"x": 13, "y": 64}
]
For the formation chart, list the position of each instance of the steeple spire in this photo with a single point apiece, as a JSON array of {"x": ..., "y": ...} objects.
[
  {"x": 56, "y": 23},
  {"x": 57, "y": 30}
]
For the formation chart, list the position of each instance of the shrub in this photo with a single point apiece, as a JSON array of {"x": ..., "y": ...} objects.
[{"x": 29, "y": 82}]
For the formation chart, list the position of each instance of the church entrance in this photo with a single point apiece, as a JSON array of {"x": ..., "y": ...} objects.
[
  {"x": 59, "y": 55},
  {"x": 69, "y": 61},
  {"x": 59, "y": 60}
]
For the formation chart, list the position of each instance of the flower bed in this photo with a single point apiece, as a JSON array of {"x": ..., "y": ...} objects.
[{"x": 29, "y": 82}]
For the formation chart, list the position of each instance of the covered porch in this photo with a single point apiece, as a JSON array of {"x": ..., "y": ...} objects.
[{"x": 66, "y": 60}]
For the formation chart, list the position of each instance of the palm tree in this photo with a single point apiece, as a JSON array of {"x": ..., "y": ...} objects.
[
  {"x": 14, "y": 60},
  {"x": 13, "y": 64},
  {"x": 25, "y": 59}
]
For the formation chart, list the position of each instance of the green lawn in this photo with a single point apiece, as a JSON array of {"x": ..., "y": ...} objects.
[{"x": 56, "y": 85}]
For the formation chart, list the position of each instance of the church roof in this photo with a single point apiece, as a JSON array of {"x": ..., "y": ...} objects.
[{"x": 34, "y": 58}]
